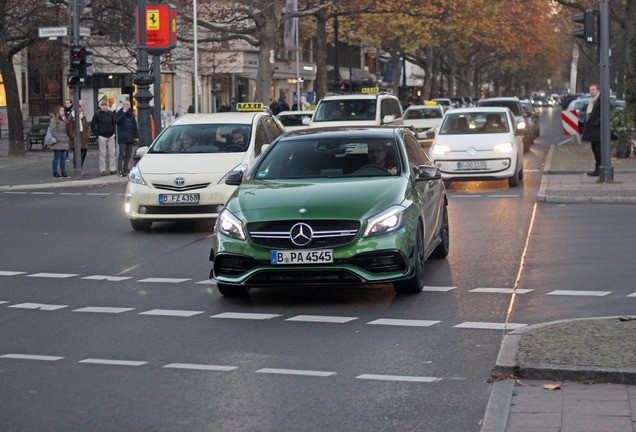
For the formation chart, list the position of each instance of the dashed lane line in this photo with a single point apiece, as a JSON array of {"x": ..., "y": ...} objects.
[
  {"x": 31, "y": 357},
  {"x": 172, "y": 312},
  {"x": 202, "y": 367},
  {"x": 113, "y": 362},
  {"x": 10, "y": 273},
  {"x": 489, "y": 325},
  {"x": 404, "y": 322},
  {"x": 399, "y": 378},
  {"x": 438, "y": 288},
  {"x": 38, "y": 306},
  {"x": 98, "y": 309},
  {"x": 296, "y": 372},
  {"x": 322, "y": 319},
  {"x": 500, "y": 290},
  {"x": 163, "y": 280},
  {"x": 107, "y": 278},
  {"x": 579, "y": 293},
  {"x": 53, "y": 275},
  {"x": 245, "y": 316}
]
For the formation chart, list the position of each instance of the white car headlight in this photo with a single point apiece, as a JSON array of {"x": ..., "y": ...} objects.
[
  {"x": 441, "y": 149},
  {"x": 240, "y": 167},
  {"x": 389, "y": 220},
  {"x": 134, "y": 176},
  {"x": 230, "y": 225},
  {"x": 503, "y": 147},
  {"x": 521, "y": 125}
]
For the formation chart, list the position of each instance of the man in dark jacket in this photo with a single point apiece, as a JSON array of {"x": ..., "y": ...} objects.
[
  {"x": 592, "y": 128},
  {"x": 103, "y": 127},
  {"x": 127, "y": 136}
]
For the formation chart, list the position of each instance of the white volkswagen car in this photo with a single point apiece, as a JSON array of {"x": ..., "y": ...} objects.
[
  {"x": 181, "y": 175},
  {"x": 479, "y": 144}
]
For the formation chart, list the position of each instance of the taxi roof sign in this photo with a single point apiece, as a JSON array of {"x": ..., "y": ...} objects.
[
  {"x": 250, "y": 106},
  {"x": 431, "y": 103},
  {"x": 370, "y": 90},
  {"x": 310, "y": 107}
]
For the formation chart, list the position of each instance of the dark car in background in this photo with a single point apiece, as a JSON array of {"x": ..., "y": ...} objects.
[
  {"x": 532, "y": 116},
  {"x": 522, "y": 122}
]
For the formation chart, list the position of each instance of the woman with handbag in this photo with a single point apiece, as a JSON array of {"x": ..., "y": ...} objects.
[{"x": 61, "y": 145}]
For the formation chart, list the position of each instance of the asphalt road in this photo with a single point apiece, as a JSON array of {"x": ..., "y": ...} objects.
[{"x": 106, "y": 329}]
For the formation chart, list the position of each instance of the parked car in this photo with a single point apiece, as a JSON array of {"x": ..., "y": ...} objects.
[
  {"x": 180, "y": 176},
  {"x": 515, "y": 106},
  {"x": 481, "y": 143},
  {"x": 424, "y": 118},
  {"x": 333, "y": 206},
  {"x": 370, "y": 108}
]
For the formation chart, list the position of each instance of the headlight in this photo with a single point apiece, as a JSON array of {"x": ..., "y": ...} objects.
[
  {"x": 503, "y": 147},
  {"x": 230, "y": 225},
  {"x": 389, "y": 220},
  {"x": 135, "y": 176},
  {"x": 521, "y": 125},
  {"x": 240, "y": 167},
  {"x": 441, "y": 149}
]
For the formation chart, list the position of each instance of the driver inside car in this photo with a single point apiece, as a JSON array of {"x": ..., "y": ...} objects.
[{"x": 377, "y": 155}]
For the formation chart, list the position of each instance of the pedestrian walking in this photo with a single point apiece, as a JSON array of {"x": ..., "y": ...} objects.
[
  {"x": 57, "y": 126},
  {"x": 592, "y": 128},
  {"x": 127, "y": 136},
  {"x": 282, "y": 104},
  {"x": 84, "y": 134},
  {"x": 103, "y": 127},
  {"x": 274, "y": 107}
]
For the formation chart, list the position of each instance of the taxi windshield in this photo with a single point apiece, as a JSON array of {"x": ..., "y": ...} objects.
[
  {"x": 203, "y": 138},
  {"x": 330, "y": 158},
  {"x": 422, "y": 113},
  {"x": 346, "y": 110}
]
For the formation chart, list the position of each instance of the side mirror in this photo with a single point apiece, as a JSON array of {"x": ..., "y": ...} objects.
[
  {"x": 428, "y": 172},
  {"x": 234, "y": 178},
  {"x": 306, "y": 121},
  {"x": 388, "y": 119},
  {"x": 142, "y": 151},
  {"x": 429, "y": 134}
]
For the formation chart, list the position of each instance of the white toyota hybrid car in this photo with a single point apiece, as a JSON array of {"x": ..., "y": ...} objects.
[
  {"x": 479, "y": 144},
  {"x": 182, "y": 174}
]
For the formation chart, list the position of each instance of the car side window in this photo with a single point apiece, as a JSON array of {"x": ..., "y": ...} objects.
[
  {"x": 260, "y": 138},
  {"x": 391, "y": 107},
  {"x": 414, "y": 152}
]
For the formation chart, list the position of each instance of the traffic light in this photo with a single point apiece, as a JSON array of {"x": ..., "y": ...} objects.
[
  {"x": 85, "y": 62},
  {"x": 588, "y": 32},
  {"x": 78, "y": 63}
]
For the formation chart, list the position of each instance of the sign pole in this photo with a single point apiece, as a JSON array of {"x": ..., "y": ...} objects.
[
  {"x": 143, "y": 79},
  {"x": 606, "y": 171},
  {"x": 77, "y": 150}
]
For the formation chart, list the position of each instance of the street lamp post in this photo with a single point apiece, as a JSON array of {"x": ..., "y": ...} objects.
[{"x": 143, "y": 79}]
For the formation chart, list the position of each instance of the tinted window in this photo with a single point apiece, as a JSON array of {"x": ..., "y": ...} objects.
[
  {"x": 202, "y": 138},
  {"x": 391, "y": 107},
  {"x": 422, "y": 113},
  {"x": 414, "y": 152},
  {"x": 474, "y": 123},
  {"x": 513, "y": 105},
  {"x": 346, "y": 110}
]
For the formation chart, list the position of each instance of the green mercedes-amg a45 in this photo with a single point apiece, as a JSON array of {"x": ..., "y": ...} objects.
[{"x": 333, "y": 206}]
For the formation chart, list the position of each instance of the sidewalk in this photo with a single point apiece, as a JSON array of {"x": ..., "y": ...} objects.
[{"x": 543, "y": 380}]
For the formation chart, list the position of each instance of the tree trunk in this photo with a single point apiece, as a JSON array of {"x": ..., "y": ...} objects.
[
  {"x": 14, "y": 109},
  {"x": 321, "y": 54}
]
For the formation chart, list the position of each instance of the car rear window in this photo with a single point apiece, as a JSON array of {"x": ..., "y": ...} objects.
[
  {"x": 346, "y": 110},
  {"x": 513, "y": 105}
]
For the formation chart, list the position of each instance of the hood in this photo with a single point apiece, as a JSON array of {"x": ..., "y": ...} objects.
[
  {"x": 322, "y": 198},
  {"x": 484, "y": 142},
  {"x": 189, "y": 163}
]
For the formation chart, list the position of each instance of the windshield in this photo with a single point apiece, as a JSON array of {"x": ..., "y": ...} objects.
[
  {"x": 422, "y": 113},
  {"x": 513, "y": 105},
  {"x": 346, "y": 110},
  {"x": 203, "y": 138},
  {"x": 474, "y": 123},
  {"x": 346, "y": 157}
]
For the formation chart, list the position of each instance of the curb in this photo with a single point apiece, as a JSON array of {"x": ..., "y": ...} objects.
[{"x": 61, "y": 184}]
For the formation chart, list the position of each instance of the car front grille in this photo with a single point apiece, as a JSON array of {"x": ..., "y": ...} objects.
[
  {"x": 180, "y": 188},
  {"x": 326, "y": 233},
  {"x": 307, "y": 277}
]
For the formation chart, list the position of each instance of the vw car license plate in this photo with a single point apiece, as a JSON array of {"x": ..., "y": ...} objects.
[
  {"x": 472, "y": 165},
  {"x": 318, "y": 256},
  {"x": 178, "y": 198}
]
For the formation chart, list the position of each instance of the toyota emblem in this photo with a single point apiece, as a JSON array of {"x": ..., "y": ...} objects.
[
  {"x": 301, "y": 234},
  {"x": 179, "y": 181}
]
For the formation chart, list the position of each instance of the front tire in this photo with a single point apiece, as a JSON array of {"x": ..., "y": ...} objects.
[
  {"x": 232, "y": 290},
  {"x": 140, "y": 224},
  {"x": 415, "y": 283}
]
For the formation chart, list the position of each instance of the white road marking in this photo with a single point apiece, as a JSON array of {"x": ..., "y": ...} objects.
[
  {"x": 503, "y": 196},
  {"x": 106, "y": 278},
  {"x": 438, "y": 288},
  {"x": 295, "y": 372},
  {"x": 3, "y": 302},
  {"x": 489, "y": 325},
  {"x": 40, "y": 306},
  {"x": 320, "y": 318},
  {"x": 247, "y": 316},
  {"x": 171, "y": 312},
  {"x": 206, "y": 282},
  {"x": 113, "y": 362},
  {"x": 466, "y": 196},
  {"x": 70, "y": 193},
  {"x": 100, "y": 309},
  {"x": 42, "y": 193},
  {"x": 404, "y": 322},
  {"x": 163, "y": 280},
  {"x": 580, "y": 293},
  {"x": 190, "y": 366},
  {"x": 398, "y": 378},
  {"x": 31, "y": 357},
  {"x": 632, "y": 295},
  {"x": 53, "y": 275},
  {"x": 15, "y": 192},
  {"x": 10, "y": 273},
  {"x": 98, "y": 194},
  {"x": 500, "y": 290}
]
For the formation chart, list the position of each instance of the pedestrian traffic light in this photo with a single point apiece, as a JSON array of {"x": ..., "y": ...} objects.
[
  {"x": 588, "y": 32},
  {"x": 75, "y": 60}
]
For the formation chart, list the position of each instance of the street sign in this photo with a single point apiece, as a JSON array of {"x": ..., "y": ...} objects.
[
  {"x": 161, "y": 28},
  {"x": 84, "y": 32},
  {"x": 51, "y": 32}
]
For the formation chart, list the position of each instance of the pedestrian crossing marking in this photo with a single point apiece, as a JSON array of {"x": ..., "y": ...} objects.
[
  {"x": 163, "y": 280},
  {"x": 324, "y": 319},
  {"x": 171, "y": 312},
  {"x": 398, "y": 378},
  {"x": 30, "y": 357},
  {"x": 38, "y": 306},
  {"x": 489, "y": 325},
  {"x": 403, "y": 322},
  {"x": 53, "y": 275},
  {"x": 191, "y": 366},
  {"x": 98, "y": 309},
  {"x": 579, "y": 293},
  {"x": 107, "y": 278},
  {"x": 246, "y": 316}
]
